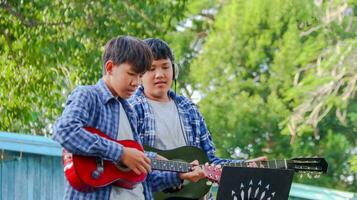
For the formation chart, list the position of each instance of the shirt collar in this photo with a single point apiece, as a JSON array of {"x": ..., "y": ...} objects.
[
  {"x": 140, "y": 93},
  {"x": 106, "y": 94}
]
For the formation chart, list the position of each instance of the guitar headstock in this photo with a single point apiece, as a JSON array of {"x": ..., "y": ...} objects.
[
  {"x": 213, "y": 173},
  {"x": 310, "y": 166}
]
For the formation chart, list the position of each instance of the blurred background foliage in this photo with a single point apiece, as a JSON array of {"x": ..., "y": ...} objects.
[{"x": 275, "y": 78}]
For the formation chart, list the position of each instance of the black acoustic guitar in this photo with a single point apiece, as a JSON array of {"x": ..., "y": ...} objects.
[{"x": 309, "y": 166}]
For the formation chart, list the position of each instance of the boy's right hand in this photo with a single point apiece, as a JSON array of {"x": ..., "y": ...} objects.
[{"x": 136, "y": 160}]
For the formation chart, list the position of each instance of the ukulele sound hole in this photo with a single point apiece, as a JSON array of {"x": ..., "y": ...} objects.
[{"x": 122, "y": 167}]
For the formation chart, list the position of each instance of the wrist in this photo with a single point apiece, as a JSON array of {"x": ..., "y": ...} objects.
[{"x": 180, "y": 178}]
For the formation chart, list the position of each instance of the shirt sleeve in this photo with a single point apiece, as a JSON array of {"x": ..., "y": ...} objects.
[
  {"x": 160, "y": 180},
  {"x": 150, "y": 154},
  {"x": 69, "y": 131}
]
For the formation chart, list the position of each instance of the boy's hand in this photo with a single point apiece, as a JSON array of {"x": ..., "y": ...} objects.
[
  {"x": 159, "y": 157},
  {"x": 136, "y": 160},
  {"x": 261, "y": 158},
  {"x": 255, "y": 161},
  {"x": 195, "y": 175}
]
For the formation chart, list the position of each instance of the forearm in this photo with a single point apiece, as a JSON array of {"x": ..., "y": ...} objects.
[
  {"x": 77, "y": 140},
  {"x": 70, "y": 133},
  {"x": 161, "y": 180}
]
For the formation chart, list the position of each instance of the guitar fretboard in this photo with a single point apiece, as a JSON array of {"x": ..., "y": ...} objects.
[
  {"x": 297, "y": 165},
  {"x": 170, "y": 165},
  {"x": 272, "y": 164},
  {"x": 177, "y": 166}
]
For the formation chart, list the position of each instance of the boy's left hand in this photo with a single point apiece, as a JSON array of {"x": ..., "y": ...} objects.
[{"x": 195, "y": 175}]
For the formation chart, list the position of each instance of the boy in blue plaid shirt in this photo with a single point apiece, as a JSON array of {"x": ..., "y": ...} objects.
[
  {"x": 104, "y": 106},
  {"x": 167, "y": 120}
]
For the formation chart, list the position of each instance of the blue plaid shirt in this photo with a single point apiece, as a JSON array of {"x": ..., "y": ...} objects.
[
  {"x": 96, "y": 107},
  {"x": 194, "y": 125}
]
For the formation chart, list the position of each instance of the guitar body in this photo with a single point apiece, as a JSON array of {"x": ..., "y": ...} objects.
[
  {"x": 79, "y": 169},
  {"x": 189, "y": 190},
  {"x": 311, "y": 166}
]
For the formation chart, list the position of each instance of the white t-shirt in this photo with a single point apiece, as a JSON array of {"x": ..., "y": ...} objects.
[
  {"x": 169, "y": 134},
  {"x": 125, "y": 133}
]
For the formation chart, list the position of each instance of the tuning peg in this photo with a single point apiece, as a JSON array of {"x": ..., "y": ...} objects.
[
  {"x": 215, "y": 184},
  {"x": 209, "y": 183},
  {"x": 219, "y": 166}
]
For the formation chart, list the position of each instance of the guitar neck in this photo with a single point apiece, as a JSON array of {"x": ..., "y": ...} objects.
[
  {"x": 296, "y": 164},
  {"x": 170, "y": 165},
  {"x": 178, "y": 166},
  {"x": 272, "y": 164}
]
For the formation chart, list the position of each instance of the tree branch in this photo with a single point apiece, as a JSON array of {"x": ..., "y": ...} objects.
[{"x": 141, "y": 14}]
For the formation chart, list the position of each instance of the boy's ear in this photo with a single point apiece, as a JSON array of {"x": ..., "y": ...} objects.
[{"x": 109, "y": 66}]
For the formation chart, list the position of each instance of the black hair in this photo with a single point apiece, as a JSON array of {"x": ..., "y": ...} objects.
[
  {"x": 160, "y": 49},
  {"x": 128, "y": 49}
]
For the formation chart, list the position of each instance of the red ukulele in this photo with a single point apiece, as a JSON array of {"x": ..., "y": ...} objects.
[{"x": 86, "y": 173}]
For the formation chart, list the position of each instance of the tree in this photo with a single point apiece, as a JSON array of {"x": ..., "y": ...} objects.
[
  {"x": 49, "y": 47},
  {"x": 265, "y": 71},
  {"x": 188, "y": 38}
]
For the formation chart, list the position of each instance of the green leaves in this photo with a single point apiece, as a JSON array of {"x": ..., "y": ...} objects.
[
  {"x": 49, "y": 47},
  {"x": 271, "y": 69}
]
